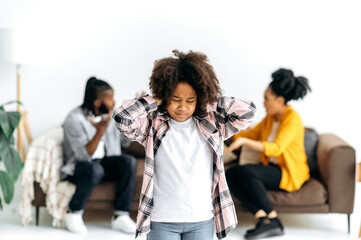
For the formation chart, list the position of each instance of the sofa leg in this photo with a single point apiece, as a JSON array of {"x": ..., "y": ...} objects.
[
  {"x": 348, "y": 223},
  {"x": 37, "y": 216}
]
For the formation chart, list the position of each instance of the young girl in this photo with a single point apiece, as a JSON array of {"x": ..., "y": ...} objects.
[{"x": 182, "y": 127}]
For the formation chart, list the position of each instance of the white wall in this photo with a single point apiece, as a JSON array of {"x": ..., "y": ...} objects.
[{"x": 62, "y": 43}]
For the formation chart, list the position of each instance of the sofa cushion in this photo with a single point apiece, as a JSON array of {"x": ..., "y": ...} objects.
[
  {"x": 311, "y": 142},
  {"x": 135, "y": 149},
  {"x": 249, "y": 156},
  {"x": 311, "y": 193},
  {"x": 105, "y": 191},
  {"x": 229, "y": 157}
]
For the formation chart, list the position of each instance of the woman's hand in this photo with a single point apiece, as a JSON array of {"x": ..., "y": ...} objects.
[
  {"x": 235, "y": 145},
  {"x": 253, "y": 144}
]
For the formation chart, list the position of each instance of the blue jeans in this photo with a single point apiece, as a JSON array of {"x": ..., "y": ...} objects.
[{"x": 181, "y": 231}]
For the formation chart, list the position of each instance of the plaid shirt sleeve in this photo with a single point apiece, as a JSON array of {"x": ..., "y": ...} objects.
[
  {"x": 230, "y": 115},
  {"x": 132, "y": 117},
  {"x": 234, "y": 115}
]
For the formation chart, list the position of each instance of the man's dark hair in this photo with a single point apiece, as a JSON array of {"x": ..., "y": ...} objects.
[{"x": 94, "y": 87}]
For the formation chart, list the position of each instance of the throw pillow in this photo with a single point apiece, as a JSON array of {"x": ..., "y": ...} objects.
[
  {"x": 311, "y": 142},
  {"x": 229, "y": 157},
  {"x": 249, "y": 156}
]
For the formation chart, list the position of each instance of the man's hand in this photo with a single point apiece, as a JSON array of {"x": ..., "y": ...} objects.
[{"x": 103, "y": 124}]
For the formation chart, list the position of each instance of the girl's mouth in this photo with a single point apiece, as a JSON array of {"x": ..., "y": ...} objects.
[{"x": 181, "y": 115}]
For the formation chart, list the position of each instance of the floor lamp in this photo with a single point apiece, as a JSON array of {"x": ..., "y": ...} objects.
[
  {"x": 24, "y": 127},
  {"x": 7, "y": 57}
]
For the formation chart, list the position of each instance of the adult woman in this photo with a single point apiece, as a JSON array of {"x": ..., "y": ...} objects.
[{"x": 279, "y": 138}]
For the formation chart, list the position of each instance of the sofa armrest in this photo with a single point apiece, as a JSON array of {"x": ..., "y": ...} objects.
[{"x": 336, "y": 163}]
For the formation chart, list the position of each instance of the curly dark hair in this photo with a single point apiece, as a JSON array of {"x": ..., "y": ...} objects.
[
  {"x": 192, "y": 68},
  {"x": 288, "y": 86}
]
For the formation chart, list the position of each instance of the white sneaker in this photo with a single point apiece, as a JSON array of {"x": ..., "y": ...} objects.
[
  {"x": 74, "y": 223},
  {"x": 124, "y": 224}
]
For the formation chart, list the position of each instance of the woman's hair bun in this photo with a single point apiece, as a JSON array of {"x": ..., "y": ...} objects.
[{"x": 285, "y": 84}]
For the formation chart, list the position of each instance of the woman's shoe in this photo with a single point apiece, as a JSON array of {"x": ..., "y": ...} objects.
[
  {"x": 265, "y": 228},
  {"x": 278, "y": 221},
  {"x": 259, "y": 222}
]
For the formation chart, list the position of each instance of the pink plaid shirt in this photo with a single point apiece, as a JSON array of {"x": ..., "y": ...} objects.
[{"x": 140, "y": 121}]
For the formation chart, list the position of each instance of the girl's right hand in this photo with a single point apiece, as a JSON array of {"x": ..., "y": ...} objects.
[{"x": 159, "y": 101}]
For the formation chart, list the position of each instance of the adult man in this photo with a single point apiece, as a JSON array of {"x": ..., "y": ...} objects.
[{"x": 92, "y": 153}]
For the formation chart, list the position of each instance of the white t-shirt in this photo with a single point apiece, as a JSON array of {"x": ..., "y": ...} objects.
[
  {"x": 99, "y": 153},
  {"x": 272, "y": 137},
  {"x": 183, "y": 171}
]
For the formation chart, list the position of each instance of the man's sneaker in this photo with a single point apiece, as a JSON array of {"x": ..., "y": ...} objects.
[
  {"x": 124, "y": 224},
  {"x": 74, "y": 223}
]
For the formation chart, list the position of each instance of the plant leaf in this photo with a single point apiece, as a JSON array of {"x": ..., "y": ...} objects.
[
  {"x": 10, "y": 102},
  {"x": 10, "y": 157},
  {"x": 1, "y": 205},
  {"x": 9, "y": 122},
  {"x": 7, "y": 186},
  {"x": 12, "y": 140}
]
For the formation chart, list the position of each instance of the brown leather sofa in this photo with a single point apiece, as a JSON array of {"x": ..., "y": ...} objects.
[{"x": 331, "y": 191}]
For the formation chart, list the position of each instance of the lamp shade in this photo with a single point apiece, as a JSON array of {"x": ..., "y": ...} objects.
[{"x": 7, "y": 54}]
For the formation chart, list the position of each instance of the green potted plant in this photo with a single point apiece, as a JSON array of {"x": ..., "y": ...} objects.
[{"x": 10, "y": 161}]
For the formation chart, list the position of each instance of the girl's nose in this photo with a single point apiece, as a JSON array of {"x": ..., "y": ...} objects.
[{"x": 182, "y": 107}]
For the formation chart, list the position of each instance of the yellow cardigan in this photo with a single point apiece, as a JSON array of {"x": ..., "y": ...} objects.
[{"x": 288, "y": 147}]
